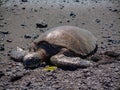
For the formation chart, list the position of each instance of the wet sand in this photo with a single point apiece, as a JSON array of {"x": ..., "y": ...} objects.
[{"x": 18, "y": 27}]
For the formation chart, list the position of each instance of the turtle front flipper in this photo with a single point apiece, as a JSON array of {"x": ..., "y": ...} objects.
[{"x": 61, "y": 60}]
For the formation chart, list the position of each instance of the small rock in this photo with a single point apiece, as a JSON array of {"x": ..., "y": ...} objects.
[
  {"x": 23, "y": 8},
  {"x": 2, "y": 47},
  {"x": 61, "y": 6},
  {"x": 23, "y": 25},
  {"x": 114, "y": 41},
  {"x": 15, "y": 78},
  {"x": 72, "y": 15},
  {"x": 77, "y": 1},
  {"x": 35, "y": 10},
  {"x": 15, "y": 5},
  {"x": 24, "y": 0},
  {"x": 1, "y": 18},
  {"x": 41, "y": 25},
  {"x": 27, "y": 36},
  {"x": 83, "y": 23},
  {"x": 112, "y": 53},
  {"x": 97, "y": 21},
  {"x": 96, "y": 58},
  {"x": 34, "y": 36},
  {"x": 9, "y": 40},
  {"x": 4, "y": 32},
  {"x": 28, "y": 84},
  {"x": 68, "y": 21},
  {"x": 118, "y": 58},
  {"x": 60, "y": 21},
  {"x": 1, "y": 74},
  {"x": 1, "y": 25}
]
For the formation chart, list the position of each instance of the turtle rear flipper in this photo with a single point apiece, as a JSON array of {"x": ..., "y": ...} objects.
[{"x": 61, "y": 60}]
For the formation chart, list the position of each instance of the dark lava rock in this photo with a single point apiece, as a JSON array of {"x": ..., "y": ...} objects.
[
  {"x": 61, "y": 6},
  {"x": 9, "y": 40},
  {"x": 15, "y": 5},
  {"x": 68, "y": 21},
  {"x": 1, "y": 74},
  {"x": 83, "y": 23},
  {"x": 118, "y": 58},
  {"x": 15, "y": 78},
  {"x": 41, "y": 25},
  {"x": 23, "y": 8},
  {"x": 72, "y": 15},
  {"x": 23, "y": 25},
  {"x": 27, "y": 36},
  {"x": 114, "y": 41},
  {"x": 33, "y": 36},
  {"x": 28, "y": 84},
  {"x": 114, "y": 10},
  {"x": 97, "y": 21},
  {"x": 2, "y": 47},
  {"x": 112, "y": 53},
  {"x": 1, "y": 18},
  {"x": 4, "y": 32},
  {"x": 77, "y": 1},
  {"x": 96, "y": 58},
  {"x": 24, "y": 0},
  {"x": 1, "y": 25}
]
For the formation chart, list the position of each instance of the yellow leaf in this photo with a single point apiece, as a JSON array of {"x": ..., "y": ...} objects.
[{"x": 50, "y": 68}]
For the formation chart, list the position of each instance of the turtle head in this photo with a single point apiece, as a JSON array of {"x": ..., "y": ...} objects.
[{"x": 31, "y": 60}]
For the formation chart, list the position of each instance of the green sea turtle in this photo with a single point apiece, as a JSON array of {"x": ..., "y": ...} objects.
[{"x": 63, "y": 46}]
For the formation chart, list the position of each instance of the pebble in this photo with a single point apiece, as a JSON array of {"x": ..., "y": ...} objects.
[
  {"x": 23, "y": 8},
  {"x": 4, "y": 32},
  {"x": 28, "y": 84},
  {"x": 68, "y": 21},
  {"x": 23, "y": 25},
  {"x": 61, "y": 6},
  {"x": 24, "y": 0},
  {"x": 97, "y": 21},
  {"x": 114, "y": 41},
  {"x": 27, "y": 36},
  {"x": 33, "y": 36},
  {"x": 2, "y": 47},
  {"x": 96, "y": 58},
  {"x": 1, "y": 25},
  {"x": 76, "y": 0},
  {"x": 72, "y": 15},
  {"x": 9, "y": 40},
  {"x": 118, "y": 58},
  {"x": 41, "y": 25},
  {"x": 1, "y": 74},
  {"x": 15, "y": 5},
  {"x": 15, "y": 78},
  {"x": 114, "y": 10},
  {"x": 1, "y": 18},
  {"x": 112, "y": 53}
]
